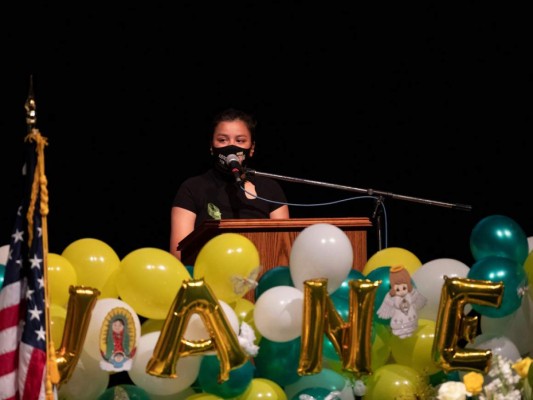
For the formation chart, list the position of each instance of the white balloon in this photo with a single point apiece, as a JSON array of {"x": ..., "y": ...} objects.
[
  {"x": 530, "y": 243},
  {"x": 4, "y": 253},
  {"x": 196, "y": 329},
  {"x": 500, "y": 345},
  {"x": 516, "y": 326},
  {"x": 87, "y": 381},
  {"x": 99, "y": 318},
  {"x": 347, "y": 392},
  {"x": 278, "y": 313},
  {"x": 187, "y": 369},
  {"x": 429, "y": 279},
  {"x": 321, "y": 251}
]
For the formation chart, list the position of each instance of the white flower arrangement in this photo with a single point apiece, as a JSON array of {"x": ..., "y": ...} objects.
[
  {"x": 504, "y": 381},
  {"x": 247, "y": 338},
  {"x": 453, "y": 390}
]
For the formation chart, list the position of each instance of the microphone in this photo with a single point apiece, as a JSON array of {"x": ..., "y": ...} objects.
[{"x": 235, "y": 166}]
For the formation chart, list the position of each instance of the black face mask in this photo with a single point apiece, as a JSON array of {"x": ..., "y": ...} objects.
[{"x": 221, "y": 153}]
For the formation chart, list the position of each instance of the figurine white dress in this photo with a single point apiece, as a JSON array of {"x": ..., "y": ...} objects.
[{"x": 401, "y": 303}]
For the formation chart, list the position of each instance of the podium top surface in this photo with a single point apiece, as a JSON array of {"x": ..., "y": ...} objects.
[{"x": 211, "y": 227}]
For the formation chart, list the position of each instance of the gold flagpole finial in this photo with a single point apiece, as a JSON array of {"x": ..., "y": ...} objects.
[{"x": 30, "y": 106}]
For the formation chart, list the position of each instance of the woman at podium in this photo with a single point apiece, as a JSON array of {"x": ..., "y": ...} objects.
[{"x": 225, "y": 190}]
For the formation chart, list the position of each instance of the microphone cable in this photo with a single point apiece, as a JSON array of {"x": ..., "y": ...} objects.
[{"x": 379, "y": 204}]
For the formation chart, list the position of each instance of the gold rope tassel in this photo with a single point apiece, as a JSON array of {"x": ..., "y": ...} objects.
[
  {"x": 40, "y": 186},
  {"x": 39, "y": 181}
]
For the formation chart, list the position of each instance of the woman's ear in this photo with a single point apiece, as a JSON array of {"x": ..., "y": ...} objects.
[{"x": 252, "y": 149}]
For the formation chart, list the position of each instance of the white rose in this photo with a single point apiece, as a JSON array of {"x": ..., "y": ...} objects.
[{"x": 452, "y": 390}]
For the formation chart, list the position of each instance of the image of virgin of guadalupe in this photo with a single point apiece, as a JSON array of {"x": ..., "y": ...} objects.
[{"x": 117, "y": 340}]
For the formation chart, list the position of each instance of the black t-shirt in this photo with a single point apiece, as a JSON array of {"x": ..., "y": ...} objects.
[{"x": 213, "y": 195}]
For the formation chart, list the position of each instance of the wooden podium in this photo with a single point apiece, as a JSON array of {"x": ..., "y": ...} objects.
[{"x": 273, "y": 238}]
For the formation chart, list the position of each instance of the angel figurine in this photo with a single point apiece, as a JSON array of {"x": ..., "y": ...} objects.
[{"x": 401, "y": 303}]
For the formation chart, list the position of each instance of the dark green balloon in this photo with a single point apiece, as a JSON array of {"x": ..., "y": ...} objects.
[
  {"x": 278, "y": 361},
  {"x": 500, "y": 269},
  {"x": 239, "y": 378},
  {"x": 499, "y": 236},
  {"x": 277, "y": 276},
  {"x": 343, "y": 290},
  {"x": 131, "y": 392}
]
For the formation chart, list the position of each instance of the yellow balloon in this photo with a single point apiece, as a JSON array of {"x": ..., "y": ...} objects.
[
  {"x": 151, "y": 325},
  {"x": 381, "y": 348},
  {"x": 528, "y": 267},
  {"x": 261, "y": 388},
  {"x": 395, "y": 381},
  {"x": 392, "y": 256},
  {"x": 61, "y": 275},
  {"x": 229, "y": 264},
  {"x": 204, "y": 396},
  {"x": 149, "y": 279},
  {"x": 58, "y": 315},
  {"x": 93, "y": 260},
  {"x": 109, "y": 287},
  {"x": 416, "y": 350},
  {"x": 244, "y": 309}
]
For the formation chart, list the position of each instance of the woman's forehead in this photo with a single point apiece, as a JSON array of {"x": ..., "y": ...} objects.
[{"x": 232, "y": 128}]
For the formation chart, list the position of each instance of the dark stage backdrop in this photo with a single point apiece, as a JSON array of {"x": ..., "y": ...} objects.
[{"x": 425, "y": 100}]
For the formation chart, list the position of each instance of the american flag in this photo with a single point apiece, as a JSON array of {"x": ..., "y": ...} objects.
[{"x": 23, "y": 356}]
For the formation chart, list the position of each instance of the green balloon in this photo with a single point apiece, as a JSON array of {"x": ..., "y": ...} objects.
[
  {"x": 500, "y": 269},
  {"x": 131, "y": 392},
  {"x": 344, "y": 290},
  {"x": 499, "y": 236},
  {"x": 278, "y": 361},
  {"x": 277, "y": 276},
  {"x": 239, "y": 378}
]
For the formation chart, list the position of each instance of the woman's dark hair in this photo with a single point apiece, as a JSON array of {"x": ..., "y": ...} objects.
[{"x": 232, "y": 114}]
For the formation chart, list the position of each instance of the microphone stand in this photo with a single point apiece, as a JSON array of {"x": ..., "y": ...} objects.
[{"x": 376, "y": 215}]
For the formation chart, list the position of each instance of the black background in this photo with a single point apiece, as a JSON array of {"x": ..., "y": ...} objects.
[{"x": 421, "y": 99}]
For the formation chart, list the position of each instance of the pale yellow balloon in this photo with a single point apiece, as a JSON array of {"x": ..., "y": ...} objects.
[
  {"x": 58, "y": 315},
  {"x": 416, "y": 350},
  {"x": 381, "y": 349},
  {"x": 528, "y": 267},
  {"x": 244, "y": 309},
  {"x": 93, "y": 260},
  {"x": 151, "y": 325},
  {"x": 109, "y": 287},
  {"x": 394, "y": 381},
  {"x": 262, "y": 388},
  {"x": 392, "y": 256},
  {"x": 204, "y": 396},
  {"x": 149, "y": 280},
  {"x": 229, "y": 264},
  {"x": 61, "y": 275}
]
